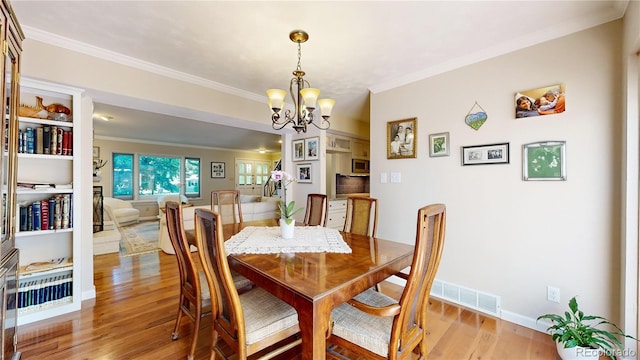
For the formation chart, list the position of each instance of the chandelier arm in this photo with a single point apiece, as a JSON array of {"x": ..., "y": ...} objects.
[
  {"x": 276, "y": 122},
  {"x": 322, "y": 127}
]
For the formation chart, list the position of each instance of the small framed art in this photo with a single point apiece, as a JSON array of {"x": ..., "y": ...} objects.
[
  {"x": 401, "y": 143},
  {"x": 96, "y": 152},
  {"x": 303, "y": 172},
  {"x": 485, "y": 154},
  {"x": 439, "y": 144},
  {"x": 311, "y": 148},
  {"x": 544, "y": 160},
  {"x": 217, "y": 170},
  {"x": 298, "y": 149}
]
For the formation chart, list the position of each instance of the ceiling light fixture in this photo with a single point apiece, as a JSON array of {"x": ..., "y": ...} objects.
[{"x": 303, "y": 93}]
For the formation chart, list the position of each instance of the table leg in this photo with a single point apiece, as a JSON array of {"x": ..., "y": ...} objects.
[{"x": 314, "y": 320}]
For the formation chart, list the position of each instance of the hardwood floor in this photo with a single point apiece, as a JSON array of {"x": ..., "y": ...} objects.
[{"x": 134, "y": 313}]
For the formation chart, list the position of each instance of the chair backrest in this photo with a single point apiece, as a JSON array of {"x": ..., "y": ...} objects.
[
  {"x": 316, "y": 212},
  {"x": 227, "y": 204},
  {"x": 162, "y": 201},
  {"x": 410, "y": 326},
  {"x": 228, "y": 316},
  {"x": 189, "y": 281},
  {"x": 361, "y": 216}
]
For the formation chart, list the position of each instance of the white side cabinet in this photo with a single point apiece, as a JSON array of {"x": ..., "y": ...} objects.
[
  {"x": 48, "y": 211},
  {"x": 337, "y": 213}
]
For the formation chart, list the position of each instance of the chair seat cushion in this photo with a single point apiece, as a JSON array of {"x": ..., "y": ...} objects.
[
  {"x": 205, "y": 294},
  {"x": 367, "y": 331},
  {"x": 240, "y": 281},
  {"x": 265, "y": 314}
]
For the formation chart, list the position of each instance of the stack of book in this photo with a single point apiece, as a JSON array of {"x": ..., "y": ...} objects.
[
  {"x": 44, "y": 292},
  {"x": 48, "y": 214},
  {"x": 48, "y": 140}
]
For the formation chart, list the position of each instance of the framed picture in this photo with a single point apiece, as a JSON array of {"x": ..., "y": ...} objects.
[
  {"x": 541, "y": 101},
  {"x": 217, "y": 170},
  {"x": 544, "y": 160},
  {"x": 96, "y": 152},
  {"x": 311, "y": 148},
  {"x": 401, "y": 143},
  {"x": 439, "y": 144},
  {"x": 303, "y": 172},
  {"x": 485, "y": 154},
  {"x": 298, "y": 149}
]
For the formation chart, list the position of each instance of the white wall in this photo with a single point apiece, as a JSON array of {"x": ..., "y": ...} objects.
[{"x": 506, "y": 236}]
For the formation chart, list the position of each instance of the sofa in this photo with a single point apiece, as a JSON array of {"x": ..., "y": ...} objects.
[
  {"x": 123, "y": 212},
  {"x": 253, "y": 208}
]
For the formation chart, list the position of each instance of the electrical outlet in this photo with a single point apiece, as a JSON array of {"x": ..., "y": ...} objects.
[{"x": 553, "y": 294}]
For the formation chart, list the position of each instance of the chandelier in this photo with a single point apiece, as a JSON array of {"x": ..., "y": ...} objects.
[{"x": 304, "y": 98}]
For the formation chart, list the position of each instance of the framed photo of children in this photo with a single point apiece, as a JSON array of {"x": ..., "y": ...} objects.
[
  {"x": 541, "y": 101},
  {"x": 217, "y": 170},
  {"x": 311, "y": 148},
  {"x": 485, "y": 154},
  {"x": 303, "y": 172},
  {"x": 401, "y": 142},
  {"x": 439, "y": 144},
  {"x": 298, "y": 149},
  {"x": 544, "y": 161}
]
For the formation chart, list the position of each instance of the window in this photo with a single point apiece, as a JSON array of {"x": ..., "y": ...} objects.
[
  {"x": 123, "y": 176},
  {"x": 252, "y": 175},
  {"x": 157, "y": 175}
]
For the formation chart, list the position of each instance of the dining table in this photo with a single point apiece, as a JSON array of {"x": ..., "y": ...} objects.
[{"x": 316, "y": 282}]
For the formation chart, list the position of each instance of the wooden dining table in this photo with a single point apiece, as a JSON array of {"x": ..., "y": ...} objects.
[{"x": 315, "y": 283}]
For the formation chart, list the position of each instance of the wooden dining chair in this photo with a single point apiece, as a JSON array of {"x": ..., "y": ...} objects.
[
  {"x": 227, "y": 204},
  {"x": 195, "y": 299},
  {"x": 379, "y": 327},
  {"x": 250, "y": 322},
  {"x": 361, "y": 216},
  {"x": 316, "y": 212}
]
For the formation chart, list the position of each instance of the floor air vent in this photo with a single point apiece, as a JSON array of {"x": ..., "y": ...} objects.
[{"x": 473, "y": 299}]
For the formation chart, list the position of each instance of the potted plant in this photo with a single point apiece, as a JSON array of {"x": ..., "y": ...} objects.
[
  {"x": 580, "y": 336},
  {"x": 287, "y": 224}
]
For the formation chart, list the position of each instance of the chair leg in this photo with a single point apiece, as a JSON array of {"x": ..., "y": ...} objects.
[
  {"x": 174, "y": 335},
  {"x": 196, "y": 329}
]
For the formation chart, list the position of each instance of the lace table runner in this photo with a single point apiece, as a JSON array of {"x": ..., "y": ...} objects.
[{"x": 268, "y": 240}]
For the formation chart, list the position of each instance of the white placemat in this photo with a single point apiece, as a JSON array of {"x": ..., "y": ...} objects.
[{"x": 268, "y": 240}]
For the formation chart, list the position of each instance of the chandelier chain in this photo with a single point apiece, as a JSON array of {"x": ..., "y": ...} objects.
[{"x": 299, "y": 67}]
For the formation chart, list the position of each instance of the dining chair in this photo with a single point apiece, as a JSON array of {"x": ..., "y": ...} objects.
[
  {"x": 195, "y": 299},
  {"x": 250, "y": 322},
  {"x": 316, "y": 212},
  {"x": 361, "y": 216},
  {"x": 227, "y": 204},
  {"x": 378, "y": 327}
]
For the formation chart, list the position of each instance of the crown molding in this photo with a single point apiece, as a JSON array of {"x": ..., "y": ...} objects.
[{"x": 36, "y": 34}]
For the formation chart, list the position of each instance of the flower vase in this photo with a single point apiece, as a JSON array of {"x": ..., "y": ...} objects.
[{"x": 287, "y": 229}]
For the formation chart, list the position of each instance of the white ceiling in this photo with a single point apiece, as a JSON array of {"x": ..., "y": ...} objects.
[{"x": 243, "y": 47}]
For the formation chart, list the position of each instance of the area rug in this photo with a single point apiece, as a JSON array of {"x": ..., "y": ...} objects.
[{"x": 140, "y": 238}]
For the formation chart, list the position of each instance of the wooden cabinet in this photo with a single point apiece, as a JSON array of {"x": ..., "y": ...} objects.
[
  {"x": 11, "y": 37},
  {"x": 337, "y": 143},
  {"x": 337, "y": 213},
  {"x": 48, "y": 214},
  {"x": 360, "y": 149}
]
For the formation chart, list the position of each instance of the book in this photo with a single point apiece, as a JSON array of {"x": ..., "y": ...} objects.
[
  {"x": 37, "y": 215},
  {"x": 33, "y": 185},
  {"x": 39, "y": 138},
  {"x": 59, "y": 138},
  {"x": 23, "y": 218},
  {"x": 54, "y": 140},
  {"x": 52, "y": 213},
  {"x": 46, "y": 139},
  {"x": 44, "y": 216},
  {"x": 66, "y": 205},
  {"x": 47, "y": 265},
  {"x": 30, "y": 137}
]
